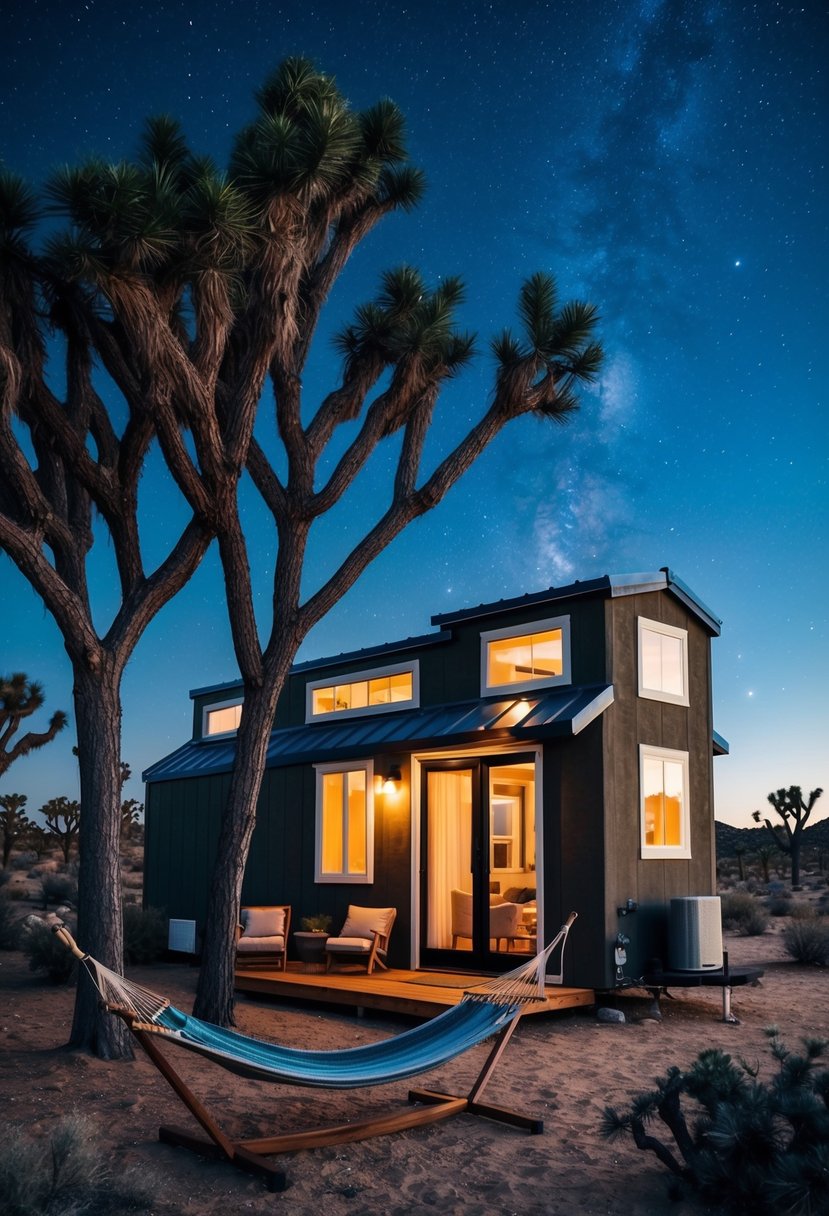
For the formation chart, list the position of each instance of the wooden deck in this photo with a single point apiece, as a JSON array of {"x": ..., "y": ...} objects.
[{"x": 417, "y": 993}]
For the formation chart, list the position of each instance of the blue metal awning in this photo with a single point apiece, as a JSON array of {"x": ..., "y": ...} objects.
[{"x": 559, "y": 713}]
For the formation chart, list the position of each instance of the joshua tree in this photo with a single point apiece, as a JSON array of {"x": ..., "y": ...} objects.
[
  {"x": 196, "y": 291},
  {"x": 764, "y": 855},
  {"x": 324, "y": 176},
  {"x": 794, "y": 810},
  {"x": 63, "y": 818},
  {"x": 131, "y": 810},
  {"x": 20, "y": 697},
  {"x": 13, "y": 822}
]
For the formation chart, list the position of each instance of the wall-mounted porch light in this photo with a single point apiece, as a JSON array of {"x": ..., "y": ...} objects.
[{"x": 391, "y": 782}]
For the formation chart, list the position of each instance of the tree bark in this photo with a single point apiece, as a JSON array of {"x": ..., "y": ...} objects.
[
  {"x": 214, "y": 994},
  {"x": 97, "y": 702}
]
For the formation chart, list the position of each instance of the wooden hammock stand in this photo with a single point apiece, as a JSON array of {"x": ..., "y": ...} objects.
[{"x": 251, "y": 1155}]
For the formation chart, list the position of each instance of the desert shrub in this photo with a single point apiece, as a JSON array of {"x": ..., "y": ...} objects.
[
  {"x": 741, "y": 1145},
  {"x": 23, "y": 861},
  {"x": 45, "y": 952},
  {"x": 5, "y": 877},
  {"x": 779, "y": 905},
  {"x": 145, "y": 934},
  {"x": 807, "y": 941},
  {"x": 59, "y": 889},
  {"x": 65, "y": 1175},
  {"x": 742, "y": 912},
  {"x": 802, "y": 911},
  {"x": 9, "y": 923}
]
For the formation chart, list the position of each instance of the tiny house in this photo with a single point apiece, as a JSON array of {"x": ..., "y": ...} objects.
[{"x": 525, "y": 758}]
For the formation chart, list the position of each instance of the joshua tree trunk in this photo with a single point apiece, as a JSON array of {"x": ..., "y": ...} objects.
[
  {"x": 214, "y": 995},
  {"x": 100, "y": 925}
]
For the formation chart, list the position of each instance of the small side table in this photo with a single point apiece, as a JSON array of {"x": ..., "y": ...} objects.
[{"x": 311, "y": 949}]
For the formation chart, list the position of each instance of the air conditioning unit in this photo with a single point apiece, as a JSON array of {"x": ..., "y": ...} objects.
[
  {"x": 181, "y": 936},
  {"x": 695, "y": 933}
]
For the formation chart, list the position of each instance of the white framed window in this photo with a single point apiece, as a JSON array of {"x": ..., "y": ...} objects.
[
  {"x": 536, "y": 655},
  {"x": 663, "y": 662},
  {"x": 221, "y": 718},
  {"x": 345, "y": 822},
  {"x": 376, "y": 691},
  {"x": 663, "y": 802}
]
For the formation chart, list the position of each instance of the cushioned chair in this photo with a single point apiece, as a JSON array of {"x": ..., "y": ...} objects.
[
  {"x": 262, "y": 936},
  {"x": 364, "y": 938},
  {"x": 504, "y": 919}
]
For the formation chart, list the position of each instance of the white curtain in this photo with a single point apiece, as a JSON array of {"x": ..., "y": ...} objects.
[{"x": 448, "y": 864}]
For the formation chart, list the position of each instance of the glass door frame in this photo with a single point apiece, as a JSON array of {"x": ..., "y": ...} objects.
[{"x": 480, "y": 763}]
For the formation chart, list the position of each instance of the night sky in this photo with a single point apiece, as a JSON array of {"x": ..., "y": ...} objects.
[{"x": 665, "y": 160}]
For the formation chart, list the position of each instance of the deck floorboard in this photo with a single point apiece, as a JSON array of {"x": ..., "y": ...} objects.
[{"x": 393, "y": 991}]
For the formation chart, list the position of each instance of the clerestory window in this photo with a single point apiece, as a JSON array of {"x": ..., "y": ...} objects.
[
  {"x": 379, "y": 690},
  {"x": 534, "y": 656},
  {"x": 221, "y": 719}
]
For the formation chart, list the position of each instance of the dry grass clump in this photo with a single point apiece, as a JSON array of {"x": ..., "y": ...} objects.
[
  {"x": 806, "y": 940},
  {"x": 65, "y": 1175}
]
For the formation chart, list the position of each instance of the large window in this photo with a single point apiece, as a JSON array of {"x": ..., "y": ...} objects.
[
  {"x": 536, "y": 656},
  {"x": 345, "y": 823},
  {"x": 221, "y": 719},
  {"x": 363, "y": 692},
  {"x": 663, "y": 662},
  {"x": 665, "y": 820}
]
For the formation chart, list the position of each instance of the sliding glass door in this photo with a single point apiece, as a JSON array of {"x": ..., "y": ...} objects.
[{"x": 478, "y": 875}]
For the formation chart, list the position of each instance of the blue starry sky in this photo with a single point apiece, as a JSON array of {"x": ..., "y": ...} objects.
[{"x": 665, "y": 159}]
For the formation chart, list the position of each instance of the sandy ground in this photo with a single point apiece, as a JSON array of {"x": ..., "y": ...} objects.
[{"x": 562, "y": 1067}]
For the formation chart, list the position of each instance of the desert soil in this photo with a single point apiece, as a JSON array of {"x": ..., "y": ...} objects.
[{"x": 562, "y": 1067}]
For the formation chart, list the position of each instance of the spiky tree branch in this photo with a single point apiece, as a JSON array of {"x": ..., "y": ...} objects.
[{"x": 21, "y": 697}]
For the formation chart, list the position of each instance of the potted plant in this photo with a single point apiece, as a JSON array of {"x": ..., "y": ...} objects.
[{"x": 310, "y": 940}]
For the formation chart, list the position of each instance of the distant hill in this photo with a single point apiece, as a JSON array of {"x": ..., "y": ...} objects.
[{"x": 730, "y": 838}]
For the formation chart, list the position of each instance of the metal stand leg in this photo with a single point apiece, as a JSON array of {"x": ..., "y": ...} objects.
[{"x": 727, "y": 1015}]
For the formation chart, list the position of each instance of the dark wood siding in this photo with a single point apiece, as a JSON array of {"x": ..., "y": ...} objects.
[
  {"x": 182, "y": 825},
  {"x": 631, "y": 721},
  {"x": 574, "y": 848}
]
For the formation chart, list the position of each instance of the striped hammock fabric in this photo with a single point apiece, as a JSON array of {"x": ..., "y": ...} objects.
[{"x": 404, "y": 1055}]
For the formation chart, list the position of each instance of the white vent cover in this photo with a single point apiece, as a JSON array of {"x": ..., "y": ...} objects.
[
  {"x": 182, "y": 936},
  {"x": 695, "y": 933}
]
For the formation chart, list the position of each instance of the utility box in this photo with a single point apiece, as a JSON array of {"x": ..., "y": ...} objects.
[
  {"x": 181, "y": 936},
  {"x": 695, "y": 933}
]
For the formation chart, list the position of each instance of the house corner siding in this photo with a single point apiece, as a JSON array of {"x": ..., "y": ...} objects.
[{"x": 631, "y": 721}]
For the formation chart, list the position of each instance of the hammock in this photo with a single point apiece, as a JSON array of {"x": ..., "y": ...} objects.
[{"x": 489, "y": 1008}]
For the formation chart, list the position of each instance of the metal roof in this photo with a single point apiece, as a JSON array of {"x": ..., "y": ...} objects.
[
  {"x": 608, "y": 584},
  {"x": 560, "y": 712}
]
